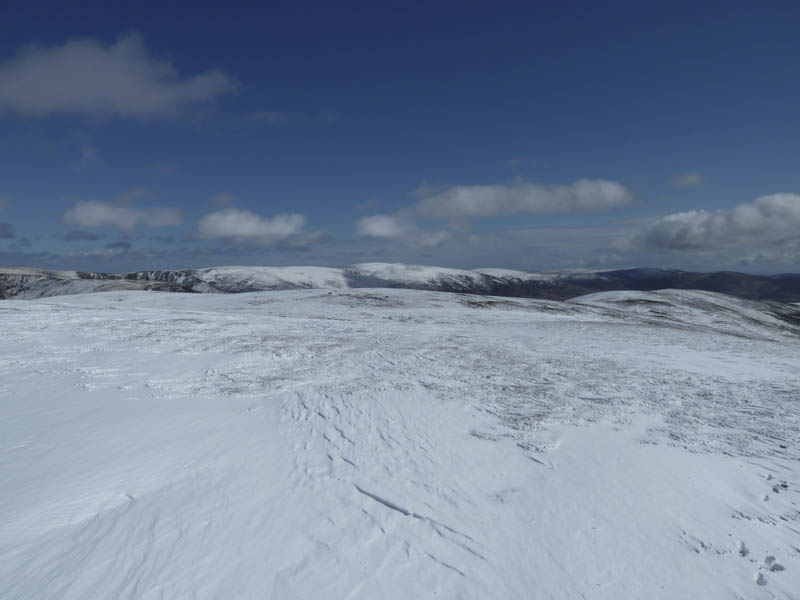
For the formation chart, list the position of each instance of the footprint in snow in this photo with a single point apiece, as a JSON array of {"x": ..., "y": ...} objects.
[
  {"x": 770, "y": 564},
  {"x": 742, "y": 548}
]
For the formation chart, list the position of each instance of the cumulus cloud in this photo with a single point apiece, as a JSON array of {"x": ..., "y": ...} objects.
[
  {"x": 465, "y": 201},
  {"x": 86, "y": 77},
  {"x": 395, "y": 227},
  {"x": 769, "y": 219},
  {"x": 686, "y": 180},
  {"x": 100, "y": 214},
  {"x": 7, "y": 231},
  {"x": 245, "y": 227}
]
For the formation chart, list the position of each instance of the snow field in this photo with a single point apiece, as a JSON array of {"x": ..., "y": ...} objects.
[{"x": 397, "y": 444}]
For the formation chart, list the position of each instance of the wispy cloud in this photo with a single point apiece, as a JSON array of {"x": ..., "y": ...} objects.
[
  {"x": 686, "y": 180},
  {"x": 121, "y": 214},
  {"x": 464, "y": 201},
  {"x": 244, "y": 227},
  {"x": 86, "y": 77},
  {"x": 456, "y": 204},
  {"x": 394, "y": 227}
]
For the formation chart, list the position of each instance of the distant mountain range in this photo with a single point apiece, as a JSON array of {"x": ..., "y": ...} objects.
[{"x": 29, "y": 283}]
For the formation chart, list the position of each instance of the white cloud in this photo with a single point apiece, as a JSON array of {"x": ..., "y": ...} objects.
[
  {"x": 243, "y": 226},
  {"x": 768, "y": 219},
  {"x": 398, "y": 228},
  {"x": 457, "y": 203},
  {"x": 686, "y": 180},
  {"x": 85, "y": 77},
  {"x": 465, "y": 201},
  {"x": 386, "y": 226},
  {"x": 100, "y": 214}
]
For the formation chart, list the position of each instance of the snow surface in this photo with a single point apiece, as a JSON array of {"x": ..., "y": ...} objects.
[{"x": 398, "y": 444}]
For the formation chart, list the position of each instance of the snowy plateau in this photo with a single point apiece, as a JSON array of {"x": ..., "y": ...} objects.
[{"x": 378, "y": 443}]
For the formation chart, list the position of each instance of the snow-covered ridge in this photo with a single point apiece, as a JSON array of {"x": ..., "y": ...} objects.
[
  {"x": 29, "y": 284},
  {"x": 31, "y": 272},
  {"x": 21, "y": 282},
  {"x": 246, "y": 279},
  {"x": 698, "y": 310},
  {"x": 523, "y": 275}
]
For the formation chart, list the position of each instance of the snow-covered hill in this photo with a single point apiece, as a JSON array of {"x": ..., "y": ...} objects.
[
  {"x": 28, "y": 284},
  {"x": 357, "y": 444},
  {"x": 35, "y": 283}
]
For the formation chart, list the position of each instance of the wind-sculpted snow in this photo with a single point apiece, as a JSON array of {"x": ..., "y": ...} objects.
[{"x": 399, "y": 444}]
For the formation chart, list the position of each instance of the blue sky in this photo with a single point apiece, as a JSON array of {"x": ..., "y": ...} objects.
[{"x": 519, "y": 135}]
